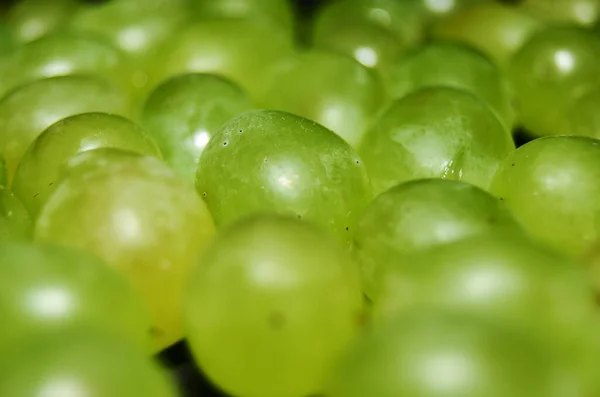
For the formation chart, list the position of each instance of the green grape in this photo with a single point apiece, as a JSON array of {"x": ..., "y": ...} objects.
[
  {"x": 61, "y": 54},
  {"x": 30, "y": 109},
  {"x": 495, "y": 29},
  {"x": 269, "y": 12},
  {"x": 583, "y": 12},
  {"x": 3, "y": 177},
  {"x": 142, "y": 220},
  {"x": 435, "y": 132},
  {"x": 415, "y": 216},
  {"x": 277, "y": 293},
  {"x": 552, "y": 186},
  {"x": 82, "y": 164},
  {"x": 554, "y": 67},
  {"x": 445, "y": 355},
  {"x": 31, "y": 19},
  {"x": 274, "y": 161},
  {"x": 582, "y": 115},
  {"x": 82, "y": 363},
  {"x": 462, "y": 68},
  {"x": 370, "y": 44},
  {"x": 39, "y": 170},
  {"x": 45, "y": 289},
  {"x": 183, "y": 113},
  {"x": 331, "y": 89},
  {"x": 15, "y": 221},
  {"x": 242, "y": 51},
  {"x": 7, "y": 41}
]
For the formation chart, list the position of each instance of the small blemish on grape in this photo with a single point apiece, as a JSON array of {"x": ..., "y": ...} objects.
[
  {"x": 501, "y": 198},
  {"x": 155, "y": 332},
  {"x": 357, "y": 162},
  {"x": 276, "y": 320},
  {"x": 240, "y": 131},
  {"x": 225, "y": 143},
  {"x": 50, "y": 184},
  {"x": 204, "y": 194},
  {"x": 35, "y": 195},
  {"x": 512, "y": 165},
  {"x": 347, "y": 228},
  {"x": 299, "y": 216}
]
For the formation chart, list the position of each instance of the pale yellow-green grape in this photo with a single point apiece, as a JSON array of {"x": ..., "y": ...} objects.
[
  {"x": 453, "y": 65},
  {"x": 551, "y": 185},
  {"x": 435, "y": 354},
  {"x": 241, "y": 50},
  {"x": 27, "y": 111},
  {"x": 81, "y": 362},
  {"x": 38, "y": 172},
  {"x": 435, "y": 132},
  {"x": 31, "y": 19},
  {"x": 583, "y": 117},
  {"x": 142, "y": 220},
  {"x": 15, "y": 221},
  {"x": 497, "y": 30},
  {"x": 331, "y": 89},
  {"x": 555, "y": 66},
  {"x": 582, "y": 12},
  {"x": 270, "y": 307},
  {"x": 267, "y": 160},
  {"x": 97, "y": 160},
  {"x": 65, "y": 53},
  {"x": 269, "y": 12},
  {"x": 184, "y": 112},
  {"x": 46, "y": 289},
  {"x": 415, "y": 216}
]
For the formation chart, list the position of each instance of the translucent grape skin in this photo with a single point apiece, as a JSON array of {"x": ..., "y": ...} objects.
[
  {"x": 463, "y": 68},
  {"x": 30, "y": 109},
  {"x": 32, "y": 19},
  {"x": 583, "y": 116},
  {"x": 82, "y": 362},
  {"x": 552, "y": 186},
  {"x": 46, "y": 289},
  {"x": 293, "y": 291},
  {"x": 497, "y": 30},
  {"x": 268, "y": 160},
  {"x": 62, "y": 54},
  {"x": 15, "y": 221},
  {"x": 582, "y": 12},
  {"x": 38, "y": 172},
  {"x": 435, "y": 132},
  {"x": 82, "y": 164},
  {"x": 184, "y": 112},
  {"x": 556, "y": 65},
  {"x": 142, "y": 220},
  {"x": 434, "y": 354},
  {"x": 331, "y": 89},
  {"x": 242, "y": 51},
  {"x": 418, "y": 215}
]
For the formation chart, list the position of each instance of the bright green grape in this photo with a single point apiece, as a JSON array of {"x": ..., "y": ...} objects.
[
  {"x": 82, "y": 363},
  {"x": 583, "y": 12},
  {"x": 47, "y": 289},
  {"x": 583, "y": 117},
  {"x": 274, "y": 161},
  {"x": 435, "y": 132},
  {"x": 331, "y": 89},
  {"x": 495, "y": 29},
  {"x": 31, "y": 19},
  {"x": 444, "y": 355},
  {"x": 240, "y": 50},
  {"x": 278, "y": 293},
  {"x": 39, "y": 170},
  {"x": 61, "y": 54},
  {"x": 371, "y": 45},
  {"x": 552, "y": 185},
  {"x": 457, "y": 66},
  {"x": 418, "y": 215},
  {"x": 141, "y": 219},
  {"x": 183, "y": 113},
  {"x": 554, "y": 67},
  {"x": 29, "y": 110},
  {"x": 15, "y": 221}
]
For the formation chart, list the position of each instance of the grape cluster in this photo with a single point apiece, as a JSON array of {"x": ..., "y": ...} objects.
[{"x": 378, "y": 198}]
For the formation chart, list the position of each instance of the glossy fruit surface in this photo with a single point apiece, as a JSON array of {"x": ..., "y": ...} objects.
[
  {"x": 293, "y": 291},
  {"x": 31, "y": 19},
  {"x": 463, "y": 68},
  {"x": 30, "y": 109},
  {"x": 582, "y": 116},
  {"x": 418, "y": 215},
  {"x": 435, "y": 133},
  {"x": 45, "y": 289},
  {"x": 552, "y": 185},
  {"x": 555, "y": 66},
  {"x": 184, "y": 112},
  {"x": 583, "y": 12},
  {"x": 82, "y": 362},
  {"x": 274, "y": 161},
  {"x": 142, "y": 220},
  {"x": 38, "y": 172},
  {"x": 15, "y": 221}
]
